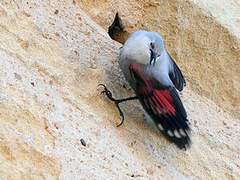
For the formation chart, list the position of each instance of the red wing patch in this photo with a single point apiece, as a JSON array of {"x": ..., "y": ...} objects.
[
  {"x": 160, "y": 101},
  {"x": 164, "y": 106}
]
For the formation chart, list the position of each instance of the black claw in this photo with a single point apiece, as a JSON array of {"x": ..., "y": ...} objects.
[
  {"x": 102, "y": 85},
  {"x": 116, "y": 101},
  {"x": 120, "y": 113},
  {"x": 121, "y": 122},
  {"x": 109, "y": 95},
  {"x": 107, "y": 92}
]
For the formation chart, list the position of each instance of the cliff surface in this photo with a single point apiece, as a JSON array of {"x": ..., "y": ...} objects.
[{"x": 53, "y": 54}]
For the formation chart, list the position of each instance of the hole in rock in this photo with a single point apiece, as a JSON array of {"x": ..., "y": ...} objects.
[{"x": 116, "y": 30}]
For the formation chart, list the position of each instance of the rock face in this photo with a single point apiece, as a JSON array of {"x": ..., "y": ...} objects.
[
  {"x": 53, "y": 54},
  {"x": 200, "y": 35}
]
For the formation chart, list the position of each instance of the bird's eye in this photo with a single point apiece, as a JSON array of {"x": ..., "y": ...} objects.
[{"x": 152, "y": 45}]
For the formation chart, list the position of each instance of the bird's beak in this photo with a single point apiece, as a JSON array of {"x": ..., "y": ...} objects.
[{"x": 152, "y": 58}]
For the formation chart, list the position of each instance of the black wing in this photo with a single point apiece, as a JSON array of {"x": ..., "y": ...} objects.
[
  {"x": 165, "y": 108},
  {"x": 176, "y": 75}
]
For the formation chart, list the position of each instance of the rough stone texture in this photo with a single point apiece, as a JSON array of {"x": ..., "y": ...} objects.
[
  {"x": 53, "y": 56},
  {"x": 202, "y": 36}
]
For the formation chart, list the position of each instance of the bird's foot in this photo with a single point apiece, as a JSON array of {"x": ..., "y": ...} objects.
[{"x": 109, "y": 95}]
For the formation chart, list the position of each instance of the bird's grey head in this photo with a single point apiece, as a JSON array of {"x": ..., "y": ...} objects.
[{"x": 143, "y": 46}]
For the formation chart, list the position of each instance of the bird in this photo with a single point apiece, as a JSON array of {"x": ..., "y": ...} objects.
[{"x": 156, "y": 79}]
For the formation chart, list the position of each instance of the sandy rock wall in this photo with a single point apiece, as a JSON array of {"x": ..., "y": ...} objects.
[
  {"x": 202, "y": 36},
  {"x": 52, "y": 57}
]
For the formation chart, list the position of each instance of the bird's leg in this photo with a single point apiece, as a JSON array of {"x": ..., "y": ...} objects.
[{"x": 116, "y": 101}]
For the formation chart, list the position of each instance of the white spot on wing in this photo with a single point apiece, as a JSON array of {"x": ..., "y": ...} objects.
[
  {"x": 182, "y": 132},
  {"x": 160, "y": 127},
  {"x": 170, "y": 133},
  {"x": 176, "y": 133}
]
